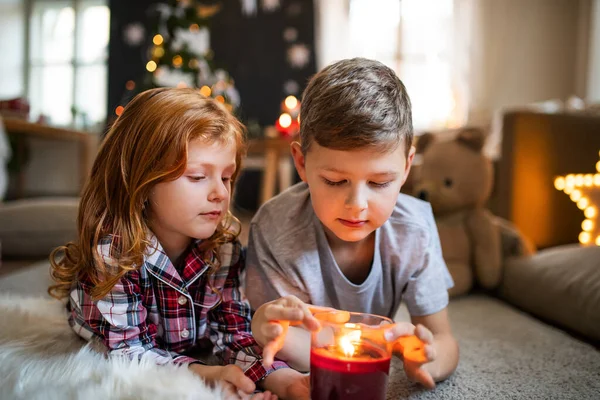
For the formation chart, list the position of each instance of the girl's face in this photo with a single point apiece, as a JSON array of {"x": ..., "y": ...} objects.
[{"x": 192, "y": 206}]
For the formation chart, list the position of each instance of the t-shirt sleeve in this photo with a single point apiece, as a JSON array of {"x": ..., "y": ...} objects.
[
  {"x": 427, "y": 289},
  {"x": 266, "y": 279}
]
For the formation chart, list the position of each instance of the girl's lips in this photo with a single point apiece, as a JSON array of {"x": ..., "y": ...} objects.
[
  {"x": 212, "y": 214},
  {"x": 352, "y": 223}
]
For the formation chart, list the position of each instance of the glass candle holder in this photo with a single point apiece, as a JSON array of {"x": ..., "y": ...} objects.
[{"x": 349, "y": 358}]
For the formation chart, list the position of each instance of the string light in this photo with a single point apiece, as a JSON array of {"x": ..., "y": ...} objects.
[
  {"x": 119, "y": 110},
  {"x": 583, "y": 189},
  {"x": 194, "y": 28},
  {"x": 177, "y": 61},
  {"x": 130, "y": 85},
  {"x": 291, "y": 102},
  {"x": 205, "y": 91},
  {"x": 158, "y": 52},
  {"x": 151, "y": 66},
  {"x": 220, "y": 99},
  {"x": 158, "y": 40},
  {"x": 285, "y": 120}
]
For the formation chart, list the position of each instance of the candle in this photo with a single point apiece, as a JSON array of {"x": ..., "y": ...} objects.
[{"x": 349, "y": 358}]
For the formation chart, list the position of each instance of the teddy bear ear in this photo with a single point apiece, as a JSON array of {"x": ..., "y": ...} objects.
[
  {"x": 423, "y": 141},
  {"x": 473, "y": 138}
]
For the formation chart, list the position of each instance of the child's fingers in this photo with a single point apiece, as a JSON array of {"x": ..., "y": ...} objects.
[
  {"x": 420, "y": 375},
  {"x": 424, "y": 334},
  {"x": 398, "y": 330},
  {"x": 272, "y": 330},
  {"x": 269, "y": 352},
  {"x": 430, "y": 352},
  {"x": 281, "y": 312},
  {"x": 234, "y": 375}
]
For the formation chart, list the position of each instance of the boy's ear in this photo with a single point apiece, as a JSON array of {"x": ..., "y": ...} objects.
[
  {"x": 299, "y": 160},
  {"x": 409, "y": 161}
]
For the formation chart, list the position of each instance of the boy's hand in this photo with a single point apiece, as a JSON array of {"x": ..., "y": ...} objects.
[
  {"x": 414, "y": 368},
  {"x": 271, "y": 321},
  {"x": 288, "y": 383},
  {"x": 235, "y": 384}
]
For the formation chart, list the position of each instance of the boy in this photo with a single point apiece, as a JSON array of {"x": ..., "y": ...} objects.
[{"x": 344, "y": 237}]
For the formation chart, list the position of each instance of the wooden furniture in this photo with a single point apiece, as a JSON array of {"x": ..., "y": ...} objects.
[
  {"x": 22, "y": 129},
  {"x": 275, "y": 160}
]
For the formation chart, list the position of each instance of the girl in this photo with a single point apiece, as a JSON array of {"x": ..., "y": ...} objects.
[{"x": 156, "y": 268}]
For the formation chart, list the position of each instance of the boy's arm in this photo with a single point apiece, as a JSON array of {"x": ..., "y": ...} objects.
[
  {"x": 266, "y": 279},
  {"x": 444, "y": 344}
]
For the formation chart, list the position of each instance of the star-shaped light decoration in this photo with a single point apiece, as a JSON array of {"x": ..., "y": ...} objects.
[{"x": 584, "y": 190}]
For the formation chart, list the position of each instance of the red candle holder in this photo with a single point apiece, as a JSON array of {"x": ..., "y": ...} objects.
[{"x": 350, "y": 358}]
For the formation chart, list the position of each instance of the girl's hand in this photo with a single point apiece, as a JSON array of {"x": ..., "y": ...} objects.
[
  {"x": 415, "y": 369},
  {"x": 271, "y": 321},
  {"x": 235, "y": 384},
  {"x": 289, "y": 384}
]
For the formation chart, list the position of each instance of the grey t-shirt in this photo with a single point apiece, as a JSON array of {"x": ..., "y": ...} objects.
[{"x": 288, "y": 253}]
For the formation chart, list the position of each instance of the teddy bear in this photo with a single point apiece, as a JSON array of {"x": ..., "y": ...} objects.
[{"x": 456, "y": 178}]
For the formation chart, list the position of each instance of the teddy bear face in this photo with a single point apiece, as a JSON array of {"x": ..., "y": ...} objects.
[{"x": 454, "y": 175}]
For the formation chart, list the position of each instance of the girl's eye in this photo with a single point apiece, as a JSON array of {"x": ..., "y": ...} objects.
[
  {"x": 226, "y": 179},
  {"x": 381, "y": 185},
  {"x": 196, "y": 178},
  {"x": 333, "y": 183}
]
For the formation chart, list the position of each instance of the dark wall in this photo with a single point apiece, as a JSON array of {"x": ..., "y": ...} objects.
[{"x": 251, "y": 48}]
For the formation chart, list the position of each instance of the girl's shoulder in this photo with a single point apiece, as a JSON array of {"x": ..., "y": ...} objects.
[{"x": 231, "y": 252}]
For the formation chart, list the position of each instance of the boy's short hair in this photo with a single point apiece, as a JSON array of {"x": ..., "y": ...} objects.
[{"x": 356, "y": 103}]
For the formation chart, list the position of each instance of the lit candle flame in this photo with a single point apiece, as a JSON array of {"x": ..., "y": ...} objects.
[{"x": 347, "y": 342}]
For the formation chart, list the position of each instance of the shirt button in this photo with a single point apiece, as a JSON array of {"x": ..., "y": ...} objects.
[
  {"x": 182, "y": 300},
  {"x": 185, "y": 333}
]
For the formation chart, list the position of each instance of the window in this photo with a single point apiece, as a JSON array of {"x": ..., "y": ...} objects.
[
  {"x": 414, "y": 37},
  {"x": 67, "y": 71}
]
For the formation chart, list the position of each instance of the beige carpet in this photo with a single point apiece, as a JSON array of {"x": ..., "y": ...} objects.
[{"x": 505, "y": 354}]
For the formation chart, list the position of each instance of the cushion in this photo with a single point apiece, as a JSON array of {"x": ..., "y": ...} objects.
[
  {"x": 559, "y": 284},
  {"x": 32, "y": 228}
]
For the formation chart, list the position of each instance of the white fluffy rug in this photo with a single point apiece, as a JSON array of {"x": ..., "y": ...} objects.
[{"x": 41, "y": 358}]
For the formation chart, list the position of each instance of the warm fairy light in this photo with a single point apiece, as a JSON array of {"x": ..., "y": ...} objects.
[
  {"x": 205, "y": 91},
  {"x": 583, "y": 191},
  {"x": 193, "y": 64},
  {"x": 157, "y": 40},
  {"x": 177, "y": 61},
  {"x": 291, "y": 102},
  {"x": 584, "y": 237},
  {"x": 583, "y": 203},
  {"x": 347, "y": 342},
  {"x": 285, "y": 120},
  {"x": 590, "y": 212},
  {"x": 587, "y": 225},
  {"x": 559, "y": 183},
  {"x": 588, "y": 180},
  {"x": 130, "y": 85},
  {"x": 119, "y": 110},
  {"x": 151, "y": 66},
  {"x": 158, "y": 52},
  {"x": 220, "y": 99},
  {"x": 194, "y": 28}
]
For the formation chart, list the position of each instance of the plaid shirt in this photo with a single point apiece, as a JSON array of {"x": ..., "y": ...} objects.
[{"x": 160, "y": 313}]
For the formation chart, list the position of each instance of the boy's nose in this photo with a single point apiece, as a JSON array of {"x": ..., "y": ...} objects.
[{"x": 357, "y": 200}]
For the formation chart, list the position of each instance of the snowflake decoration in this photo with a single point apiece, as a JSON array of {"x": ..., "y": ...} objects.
[
  {"x": 198, "y": 42},
  {"x": 249, "y": 7},
  {"x": 291, "y": 87},
  {"x": 290, "y": 34},
  {"x": 298, "y": 55},
  {"x": 270, "y": 5},
  {"x": 134, "y": 34}
]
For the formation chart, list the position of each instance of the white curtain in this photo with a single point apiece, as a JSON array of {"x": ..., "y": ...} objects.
[{"x": 331, "y": 30}]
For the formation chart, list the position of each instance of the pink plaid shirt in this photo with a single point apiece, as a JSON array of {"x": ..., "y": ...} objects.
[{"x": 159, "y": 312}]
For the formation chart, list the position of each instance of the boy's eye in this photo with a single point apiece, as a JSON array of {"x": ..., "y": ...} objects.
[
  {"x": 196, "y": 178},
  {"x": 333, "y": 183},
  {"x": 381, "y": 185}
]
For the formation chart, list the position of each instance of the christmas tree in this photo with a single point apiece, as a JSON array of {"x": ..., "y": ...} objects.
[{"x": 180, "y": 54}]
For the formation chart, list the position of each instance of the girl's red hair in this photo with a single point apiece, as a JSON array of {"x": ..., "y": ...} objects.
[{"x": 146, "y": 145}]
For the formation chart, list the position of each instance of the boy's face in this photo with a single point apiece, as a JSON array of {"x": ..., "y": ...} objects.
[{"x": 352, "y": 192}]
